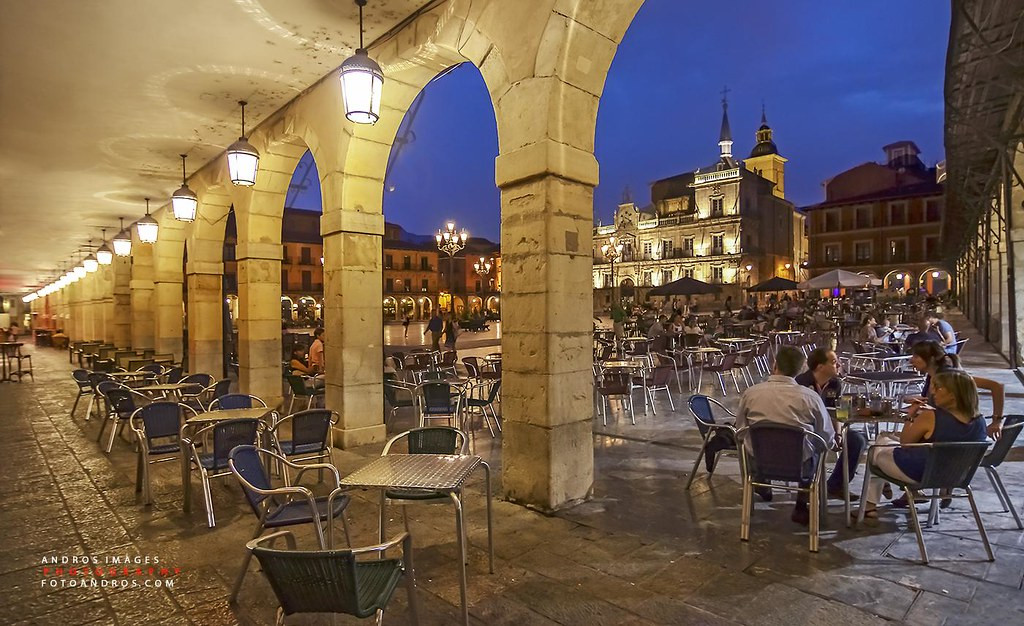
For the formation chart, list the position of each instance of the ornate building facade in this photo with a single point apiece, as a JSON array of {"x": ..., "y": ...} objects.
[{"x": 728, "y": 223}]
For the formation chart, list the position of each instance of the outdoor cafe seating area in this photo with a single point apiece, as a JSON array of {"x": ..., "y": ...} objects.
[{"x": 144, "y": 401}]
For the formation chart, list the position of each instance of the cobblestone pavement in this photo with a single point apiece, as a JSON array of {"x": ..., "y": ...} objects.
[{"x": 642, "y": 551}]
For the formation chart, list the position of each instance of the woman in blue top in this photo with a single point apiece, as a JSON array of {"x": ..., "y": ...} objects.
[{"x": 954, "y": 417}]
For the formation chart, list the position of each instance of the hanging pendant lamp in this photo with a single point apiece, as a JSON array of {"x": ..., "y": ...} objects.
[
  {"x": 243, "y": 159},
  {"x": 103, "y": 254},
  {"x": 123, "y": 241},
  {"x": 362, "y": 82},
  {"x": 184, "y": 200},
  {"x": 147, "y": 227}
]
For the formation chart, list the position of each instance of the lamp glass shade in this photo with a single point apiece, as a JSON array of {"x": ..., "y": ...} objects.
[
  {"x": 123, "y": 244},
  {"x": 104, "y": 256},
  {"x": 243, "y": 163},
  {"x": 183, "y": 203},
  {"x": 362, "y": 83},
  {"x": 91, "y": 264},
  {"x": 79, "y": 271},
  {"x": 148, "y": 229}
]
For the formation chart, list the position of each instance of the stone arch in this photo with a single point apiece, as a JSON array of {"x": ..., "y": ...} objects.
[
  {"x": 934, "y": 280},
  {"x": 898, "y": 279},
  {"x": 493, "y": 304},
  {"x": 426, "y": 307},
  {"x": 390, "y": 308}
]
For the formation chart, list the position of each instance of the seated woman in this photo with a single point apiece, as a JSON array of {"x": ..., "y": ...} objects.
[
  {"x": 298, "y": 363},
  {"x": 954, "y": 417},
  {"x": 930, "y": 358}
]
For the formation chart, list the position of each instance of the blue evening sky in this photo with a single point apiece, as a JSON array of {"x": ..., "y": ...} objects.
[{"x": 839, "y": 80}]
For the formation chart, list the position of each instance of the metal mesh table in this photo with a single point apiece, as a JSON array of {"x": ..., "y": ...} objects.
[
  {"x": 435, "y": 472},
  {"x": 440, "y": 472}
]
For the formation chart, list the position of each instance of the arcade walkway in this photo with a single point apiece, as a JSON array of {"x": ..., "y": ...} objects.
[{"x": 643, "y": 551}]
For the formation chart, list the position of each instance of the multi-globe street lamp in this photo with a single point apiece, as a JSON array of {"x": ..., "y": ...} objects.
[
  {"x": 451, "y": 242},
  {"x": 613, "y": 252}
]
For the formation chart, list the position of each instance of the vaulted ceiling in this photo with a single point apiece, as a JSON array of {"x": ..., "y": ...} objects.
[{"x": 98, "y": 98}]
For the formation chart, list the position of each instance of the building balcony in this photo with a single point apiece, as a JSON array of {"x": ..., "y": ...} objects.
[{"x": 714, "y": 177}]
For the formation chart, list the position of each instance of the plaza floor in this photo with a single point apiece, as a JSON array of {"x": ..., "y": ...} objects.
[{"x": 643, "y": 550}]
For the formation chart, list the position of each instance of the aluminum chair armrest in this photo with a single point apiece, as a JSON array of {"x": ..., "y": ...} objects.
[
  {"x": 403, "y": 538},
  {"x": 287, "y": 534},
  {"x": 721, "y": 406},
  {"x": 305, "y": 467}
]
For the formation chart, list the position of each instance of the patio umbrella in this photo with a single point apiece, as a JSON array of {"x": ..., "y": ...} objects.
[
  {"x": 684, "y": 286},
  {"x": 775, "y": 284},
  {"x": 835, "y": 279}
]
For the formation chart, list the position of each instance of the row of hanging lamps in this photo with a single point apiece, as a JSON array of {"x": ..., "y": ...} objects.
[
  {"x": 243, "y": 158},
  {"x": 103, "y": 255},
  {"x": 123, "y": 241},
  {"x": 147, "y": 227},
  {"x": 183, "y": 201},
  {"x": 362, "y": 82}
]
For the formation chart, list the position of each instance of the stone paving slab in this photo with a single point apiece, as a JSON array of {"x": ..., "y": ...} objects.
[{"x": 642, "y": 551}]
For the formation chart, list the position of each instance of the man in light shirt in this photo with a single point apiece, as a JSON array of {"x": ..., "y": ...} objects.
[
  {"x": 316, "y": 351},
  {"x": 781, "y": 400}
]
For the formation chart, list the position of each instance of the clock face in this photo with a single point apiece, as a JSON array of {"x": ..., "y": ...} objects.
[{"x": 625, "y": 220}]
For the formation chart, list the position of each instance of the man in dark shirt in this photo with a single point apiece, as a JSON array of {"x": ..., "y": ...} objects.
[
  {"x": 434, "y": 327},
  {"x": 924, "y": 333},
  {"x": 822, "y": 376}
]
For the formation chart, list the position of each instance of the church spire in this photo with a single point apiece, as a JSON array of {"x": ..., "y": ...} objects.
[{"x": 725, "y": 137}]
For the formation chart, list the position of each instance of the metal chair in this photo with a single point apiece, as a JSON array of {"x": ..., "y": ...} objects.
[
  {"x": 289, "y": 505},
  {"x": 485, "y": 403},
  {"x": 120, "y": 403},
  {"x": 615, "y": 383},
  {"x": 777, "y": 452},
  {"x": 726, "y": 365},
  {"x": 236, "y": 401},
  {"x": 434, "y": 400},
  {"x": 1012, "y": 425},
  {"x": 472, "y": 363},
  {"x": 173, "y": 374},
  {"x": 226, "y": 436},
  {"x": 398, "y": 394},
  {"x": 95, "y": 378},
  {"x": 311, "y": 436},
  {"x": 949, "y": 466},
  {"x": 297, "y": 385},
  {"x": 658, "y": 379},
  {"x": 336, "y": 581},
  {"x": 158, "y": 428},
  {"x": 700, "y": 408},
  {"x": 81, "y": 377},
  {"x": 423, "y": 440},
  {"x": 447, "y": 362}
]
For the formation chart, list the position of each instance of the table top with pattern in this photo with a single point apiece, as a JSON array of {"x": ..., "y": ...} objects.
[
  {"x": 229, "y": 414},
  {"x": 414, "y": 471}
]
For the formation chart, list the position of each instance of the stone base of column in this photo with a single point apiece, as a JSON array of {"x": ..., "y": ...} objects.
[
  {"x": 547, "y": 468},
  {"x": 354, "y": 437}
]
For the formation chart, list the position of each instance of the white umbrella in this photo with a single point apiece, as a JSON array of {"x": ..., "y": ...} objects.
[{"x": 836, "y": 278}]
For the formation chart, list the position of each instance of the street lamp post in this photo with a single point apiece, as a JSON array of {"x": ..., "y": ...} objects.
[
  {"x": 613, "y": 251},
  {"x": 451, "y": 242},
  {"x": 483, "y": 269}
]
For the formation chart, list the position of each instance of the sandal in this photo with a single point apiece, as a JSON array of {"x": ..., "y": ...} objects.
[{"x": 871, "y": 514}]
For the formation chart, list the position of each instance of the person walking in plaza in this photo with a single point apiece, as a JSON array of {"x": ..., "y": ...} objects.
[
  {"x": 405, "y": 324},
  {"x": 781, "y": 400},
  {"x": 822, "y": 376},
  {"x": 450, "y": 331},
  {"x": 434, "y": 327}
]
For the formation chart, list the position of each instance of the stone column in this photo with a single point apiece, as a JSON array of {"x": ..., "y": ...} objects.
[
  {"x": 259, "y": 319},
  {"x": 105, "y": 302},
  {"x": 168, "y": 314},
  {"x": 205, "y": 317},
  {"x": 353, "y": 318},
  {"x": 547, "y": 387},
  {"x": 142, "y": 304},
  {"x": 121, "y": 308},
  {"x": 88, "y": 307}
]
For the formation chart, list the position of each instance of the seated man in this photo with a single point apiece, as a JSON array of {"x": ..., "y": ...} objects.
[
  {"x": 779, "y": 399},
  {"x": 657, "y": 329},
  {"x": 822, "y": 376},
  {"x": 924, "y": 333}
]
